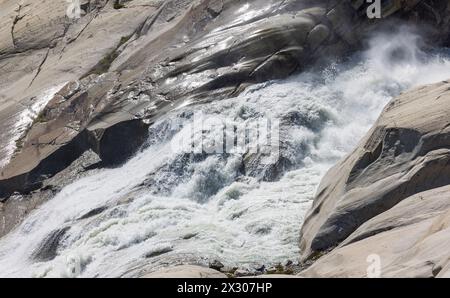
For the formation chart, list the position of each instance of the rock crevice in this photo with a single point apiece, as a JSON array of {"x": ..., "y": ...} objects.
[{"x": 367, "y": 202}]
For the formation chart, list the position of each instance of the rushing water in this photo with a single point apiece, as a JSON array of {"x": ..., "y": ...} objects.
[{"x": 165, "y": 207}]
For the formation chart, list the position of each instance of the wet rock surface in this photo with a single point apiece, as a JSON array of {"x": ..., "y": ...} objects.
[
  {"x": 120, "y": 68},
  {"x": 186, "y": 271},
  {"x": 207, "y": 49}
]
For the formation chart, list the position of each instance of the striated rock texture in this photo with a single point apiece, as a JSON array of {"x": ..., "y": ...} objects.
[
  {"x": 186, "y": 271},
  {"x": 390, "y": 197}
]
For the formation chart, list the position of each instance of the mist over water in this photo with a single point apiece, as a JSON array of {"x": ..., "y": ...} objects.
[{"x": 166, "y": 207}]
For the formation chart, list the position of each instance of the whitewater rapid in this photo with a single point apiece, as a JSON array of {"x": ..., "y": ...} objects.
[{"x": 163, "y": 208}]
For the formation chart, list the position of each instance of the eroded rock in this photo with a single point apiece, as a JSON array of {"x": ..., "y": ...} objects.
[
  {"x": 186, "y": 271},
  {"x": 390, "y": 196}
]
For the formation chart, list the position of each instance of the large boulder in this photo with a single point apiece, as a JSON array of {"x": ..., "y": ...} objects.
[{"x": 390, "y": 197}]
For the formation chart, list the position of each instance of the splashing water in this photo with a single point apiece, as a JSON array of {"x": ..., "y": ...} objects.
[{"x": 165, "y": 207}]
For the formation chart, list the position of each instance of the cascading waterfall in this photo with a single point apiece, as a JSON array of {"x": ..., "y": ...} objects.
[{"x": 165, "y": 206}]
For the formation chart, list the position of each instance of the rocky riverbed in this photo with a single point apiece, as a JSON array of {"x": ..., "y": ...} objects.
[{"x": 90, "y": 106}]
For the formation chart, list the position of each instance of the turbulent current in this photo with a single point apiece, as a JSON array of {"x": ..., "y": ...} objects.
[{"x": 169, "y": 206}]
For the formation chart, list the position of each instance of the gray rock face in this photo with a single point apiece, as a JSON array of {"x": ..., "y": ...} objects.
[{"x": 390, "y": 196}]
